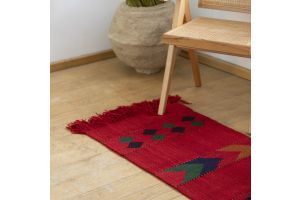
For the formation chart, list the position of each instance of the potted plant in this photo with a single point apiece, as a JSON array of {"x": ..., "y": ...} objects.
[{"x": 136, "y": 31}]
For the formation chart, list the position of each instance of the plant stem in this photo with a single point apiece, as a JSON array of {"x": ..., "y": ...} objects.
[{"x": 143, "y": 3}]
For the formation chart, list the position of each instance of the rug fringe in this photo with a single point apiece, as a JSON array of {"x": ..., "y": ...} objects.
[{"x": 122, "y": 112}]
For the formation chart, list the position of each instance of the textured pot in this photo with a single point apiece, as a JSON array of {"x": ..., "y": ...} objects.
[{"x": 135, "y": 35}]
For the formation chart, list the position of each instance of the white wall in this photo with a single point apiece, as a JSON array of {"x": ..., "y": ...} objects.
[{"x": 80, "y": 27}]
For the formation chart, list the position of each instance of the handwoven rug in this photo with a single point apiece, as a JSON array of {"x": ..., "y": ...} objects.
[{"x": 196, "y": 155}]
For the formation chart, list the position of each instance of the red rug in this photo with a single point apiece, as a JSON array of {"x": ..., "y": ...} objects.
[{"x": 198, "y": 156}]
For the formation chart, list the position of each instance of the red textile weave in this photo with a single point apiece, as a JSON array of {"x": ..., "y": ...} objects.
[{"x": 196, "y": 155}]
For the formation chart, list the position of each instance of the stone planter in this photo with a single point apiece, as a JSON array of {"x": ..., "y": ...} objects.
[{"x": 135, "y": 35}]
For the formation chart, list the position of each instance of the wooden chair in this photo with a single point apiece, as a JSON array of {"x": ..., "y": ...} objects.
[{"x": 206, "y": 34}]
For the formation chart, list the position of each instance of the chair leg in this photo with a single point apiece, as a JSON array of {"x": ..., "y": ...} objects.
[
  {"x": 195, "y": 67},
  {"x": 172, "y": 52},
  {"x": 250, "y": 127}
]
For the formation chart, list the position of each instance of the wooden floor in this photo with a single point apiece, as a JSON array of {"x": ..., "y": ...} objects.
[{"x": 82, "y": 168}]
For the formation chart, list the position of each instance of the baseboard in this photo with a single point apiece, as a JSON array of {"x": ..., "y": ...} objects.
[
  {"x": 222, "y": 65},
  {"x": 81, "y": 60},
  {"x": 203, "y": 59}
]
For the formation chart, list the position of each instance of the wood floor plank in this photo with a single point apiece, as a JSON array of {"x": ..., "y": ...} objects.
[
  {"x": 129, "y": 188},
  {"x": 82, "y": 168}
]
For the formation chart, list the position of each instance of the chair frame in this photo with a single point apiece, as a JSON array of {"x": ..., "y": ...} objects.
[{"x": 182, "y": 15}]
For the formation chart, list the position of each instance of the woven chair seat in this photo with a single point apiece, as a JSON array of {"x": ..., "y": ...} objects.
[{"x": 213, "y": 35}]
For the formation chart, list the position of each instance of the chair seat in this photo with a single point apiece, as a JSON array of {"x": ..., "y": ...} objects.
[{"x": 213, "y": 35}]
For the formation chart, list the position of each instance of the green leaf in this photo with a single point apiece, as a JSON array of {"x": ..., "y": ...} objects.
[{"x": 143, "y": 3}]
